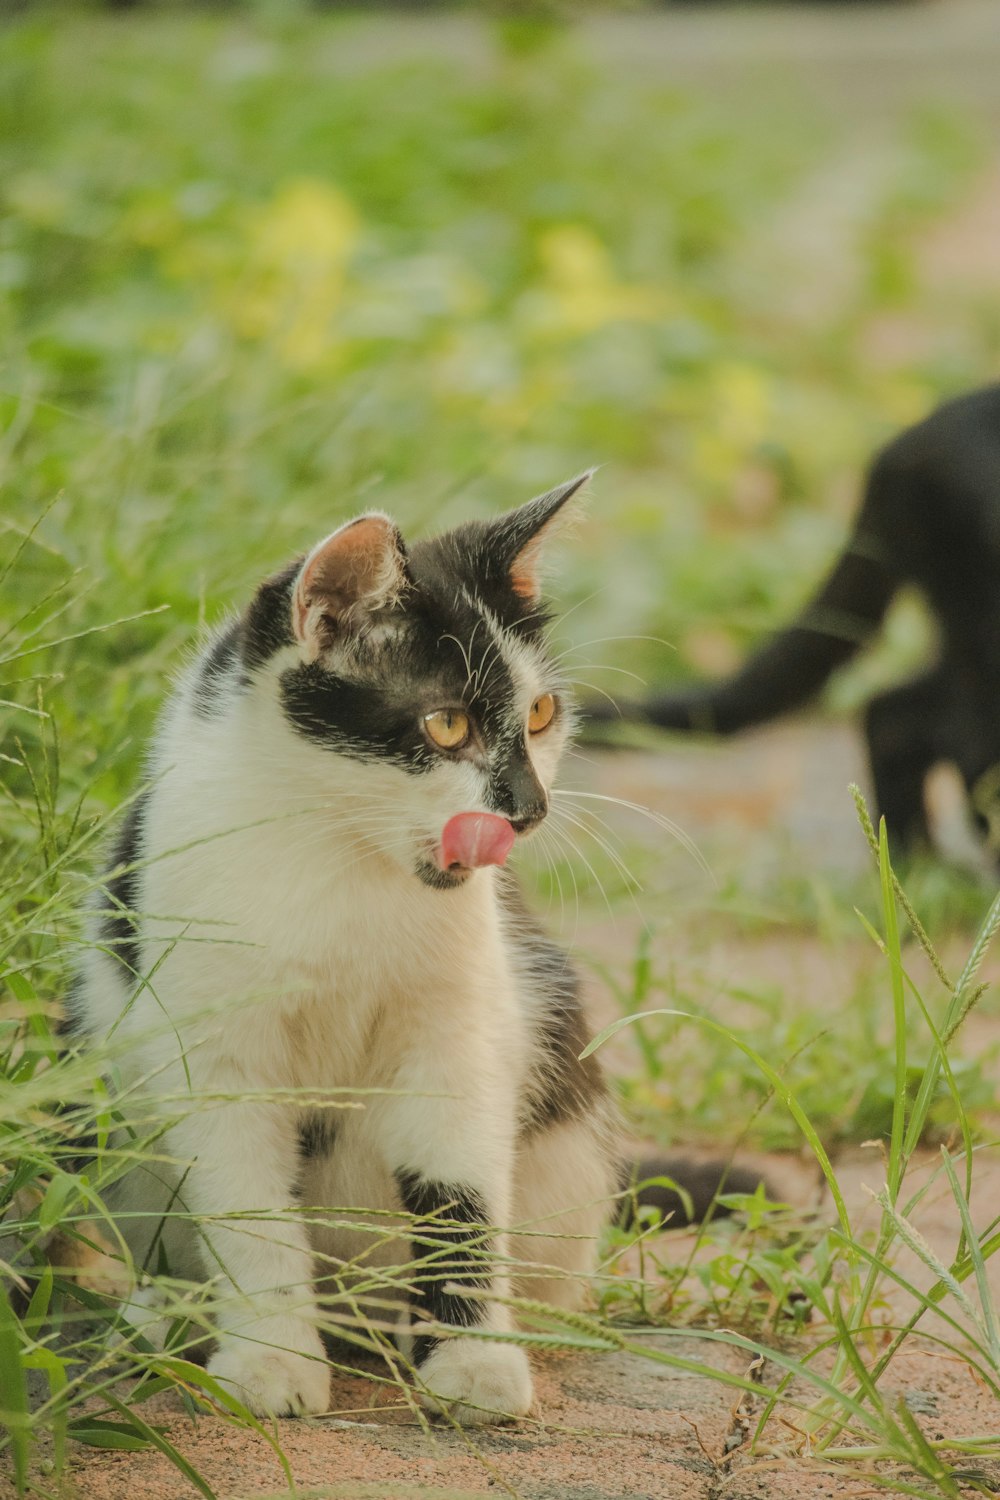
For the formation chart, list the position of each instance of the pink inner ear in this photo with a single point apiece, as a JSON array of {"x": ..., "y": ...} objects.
[
  {"x": 359, "y": 565},
  {"x": 525, "y": 571},
  {"x": 524, "y": 575},
  {"x": 352, "y": 561}
]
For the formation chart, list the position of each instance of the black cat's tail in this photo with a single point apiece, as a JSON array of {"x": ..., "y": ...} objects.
[
  {"x": 793, "y": 666},
  {"x": 683, "y": 1190}
]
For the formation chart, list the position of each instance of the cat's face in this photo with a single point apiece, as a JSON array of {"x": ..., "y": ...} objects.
[{"x": 421, "y": 680}]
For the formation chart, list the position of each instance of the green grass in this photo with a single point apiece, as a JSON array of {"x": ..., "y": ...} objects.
[
  {"x": 839, "y": 1274},
  {"x": 252, "y": 286}
]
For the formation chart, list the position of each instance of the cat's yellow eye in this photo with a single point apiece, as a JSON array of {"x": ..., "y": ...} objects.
[
  {"x": 542, "y": 713},
  {"x": 448, "y": 728}
]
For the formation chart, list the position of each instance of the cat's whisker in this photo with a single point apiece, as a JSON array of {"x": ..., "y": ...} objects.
[
  {"x": 575, "y": 753},
  {"x": 547, "y": 833},
  {"x": 607, "y": 640},
  {"x": 603, "y": 666},
  {"x": 567, "y": 853},
  {"x": 466, "y": 651},
  {"x": 684, "y": 839},
  {"x": 540, "y": 852},
  {"x": 491, "y": 660},
  {"x": 594, "y": 688},
  {"x": 566, "y": 614},
  {"x": 631, "y": 880},
  {"x": 552, "y": 833},
  {"x": 589, "y": 812},
  {"x": 584, "y": 860}
]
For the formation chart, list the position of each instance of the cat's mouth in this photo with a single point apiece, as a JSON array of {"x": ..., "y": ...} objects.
[{"x": 469, "y": 841}]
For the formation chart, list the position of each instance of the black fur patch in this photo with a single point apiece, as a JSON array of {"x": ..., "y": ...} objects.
[
  {"x": 317, "y": 1134},
  {"x": 372, "y": 708},
  {"x": 353, "y": 718},
  {"x": 449, "y": 1238},
  {"x": 478, "y": 555},
  {"x": 71, "y": 1025},
  {"x": 215, "y": 667},
  {"x": 119, "y": 928},
  {"x": 515, "y": 790},
  {"x": 80, "y": 1148},
  {"x": 266, "y": 625},
  {"x": 561, "y": 1086}
]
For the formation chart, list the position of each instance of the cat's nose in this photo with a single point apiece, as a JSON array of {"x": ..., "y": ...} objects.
[
  {"x": 518, "y": 795},
  {"x": 529, "y": 817}
]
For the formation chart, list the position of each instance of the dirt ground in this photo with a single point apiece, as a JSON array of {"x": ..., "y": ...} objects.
[{"x": 608, "y": 1426}]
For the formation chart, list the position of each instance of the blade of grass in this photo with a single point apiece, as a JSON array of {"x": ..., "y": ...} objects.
[
  {"x": 976, "y": 1256},
  {"x": 14, "y": 1392},
  {"x": 897, "y": 1156},
  {"x": 781, "y": 1089}
]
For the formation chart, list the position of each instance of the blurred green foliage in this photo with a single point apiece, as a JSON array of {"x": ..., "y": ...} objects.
[{"x": 260, "y": 272}]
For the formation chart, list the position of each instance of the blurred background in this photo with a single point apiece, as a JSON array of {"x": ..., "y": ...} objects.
[{"x": 265, "y": 265}]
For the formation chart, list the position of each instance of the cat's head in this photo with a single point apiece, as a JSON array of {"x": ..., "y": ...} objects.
[{"x": 419, "y": 677}]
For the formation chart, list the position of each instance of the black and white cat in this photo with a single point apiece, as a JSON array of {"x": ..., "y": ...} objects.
[{"x": 309, "y": 898}]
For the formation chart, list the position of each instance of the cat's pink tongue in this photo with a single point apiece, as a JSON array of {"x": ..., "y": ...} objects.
[{"x": 475, "y": 839}]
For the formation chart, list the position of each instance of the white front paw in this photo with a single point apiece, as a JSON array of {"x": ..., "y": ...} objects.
[
  {"x": 475, "y": 1383},
  {"x": 276, "y": 1368},
  {"x": 145, "y": 1310}
]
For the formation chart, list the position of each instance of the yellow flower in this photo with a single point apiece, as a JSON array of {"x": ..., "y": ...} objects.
[
  {"x": 277, "y": 271},
  {"x": 299, "y": 247},
  {"x": 736, "y": 421},
  {"x": 580, "y": 287},
  {"x": 308, "y": 227},
  {"x": 742, "y": 402}
]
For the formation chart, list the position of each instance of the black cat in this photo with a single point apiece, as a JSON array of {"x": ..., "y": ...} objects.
[{"x": 930, "y": 518}]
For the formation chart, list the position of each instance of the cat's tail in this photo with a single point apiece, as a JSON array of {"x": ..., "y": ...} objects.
[
  {"x": 792, "y": 667},
  {"x": 683, "y": 1190}
]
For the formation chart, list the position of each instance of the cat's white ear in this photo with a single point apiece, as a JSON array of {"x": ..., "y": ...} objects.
[
  {"x": 356, "y": 571},
  {"x": 528, "y": 529}
]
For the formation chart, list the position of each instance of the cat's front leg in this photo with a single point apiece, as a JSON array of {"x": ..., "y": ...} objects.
[
  {"x": 453, "y": 1248},
  {"x": 453, "y": 1163},
  {"x": 238, "y": 1187}
]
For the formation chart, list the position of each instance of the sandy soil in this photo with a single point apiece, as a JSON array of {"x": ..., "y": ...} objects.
[{"x": 604, "y": 1426}]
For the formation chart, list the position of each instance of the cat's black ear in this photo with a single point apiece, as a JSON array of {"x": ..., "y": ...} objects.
[
  {"x": 520, "y": 536},
  {"x": 355, "y": 572}
]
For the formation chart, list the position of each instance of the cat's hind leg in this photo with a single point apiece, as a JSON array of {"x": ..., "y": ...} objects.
[
  {"x": 564, "y": 1192},
  {"x": 903, "y": 728}
]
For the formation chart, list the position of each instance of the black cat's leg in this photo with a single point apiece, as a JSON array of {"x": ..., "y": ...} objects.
[
  {"x": 903, "y": 729},
  {"x": 974, "y": 734}
]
